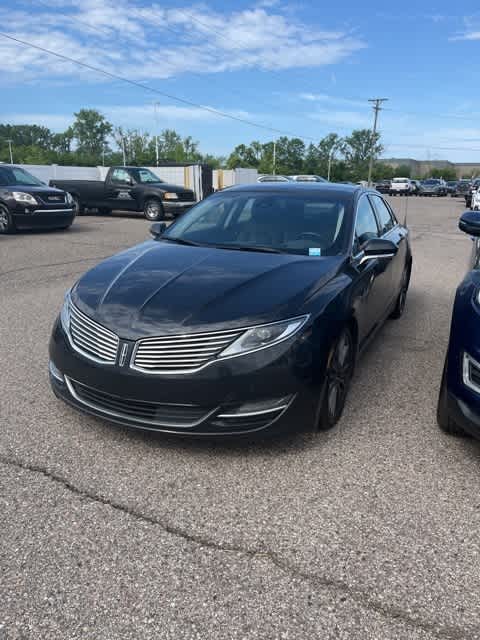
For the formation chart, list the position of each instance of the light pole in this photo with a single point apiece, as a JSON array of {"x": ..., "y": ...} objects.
[
  {"x": 155, "y": 105},
  {"x": 330, "y": 160},
  {"x": 10, "y": 149},
  {"x": 123, "y": 151},
  {"x": 274, "y": 156}
]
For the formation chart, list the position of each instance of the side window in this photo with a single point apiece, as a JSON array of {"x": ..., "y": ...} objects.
[
  {"x": 121, "y": 175},
  {"x": 383, "y": 213},
  {"x": 366, "y": 225}
]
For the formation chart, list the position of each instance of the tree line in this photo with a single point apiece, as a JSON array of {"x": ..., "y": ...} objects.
[{"x": 92, "y": 140}]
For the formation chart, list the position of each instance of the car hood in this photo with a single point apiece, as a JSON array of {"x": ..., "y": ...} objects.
[
  {"x": 164, "y": 186},
  {"x": 158, "y": 287},
  {"x": 33, "y": 189}
]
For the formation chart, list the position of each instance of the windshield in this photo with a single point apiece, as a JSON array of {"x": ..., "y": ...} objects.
[
  {"x": 144, "y": 176},
  {"x": 315, "y": 225},
  {"x": 400, "y": 180},
  {"x": 431, "y": 182},
  {"x": 13, "y": 176}
]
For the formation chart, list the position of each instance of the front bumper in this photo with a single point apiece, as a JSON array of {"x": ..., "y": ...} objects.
[
  {"x": 210, "y": 402},
  {"x": 42, "y": 217},
  {"x": 175, "y": 209},
  {"x": 464, "y": 415}
]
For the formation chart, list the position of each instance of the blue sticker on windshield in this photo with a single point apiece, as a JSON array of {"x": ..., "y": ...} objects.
[{"x": 314, "y": 251}]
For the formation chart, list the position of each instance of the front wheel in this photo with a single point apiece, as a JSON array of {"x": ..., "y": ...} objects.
[
  {"x": 444, "y": 421},
  {"x": 78, "y": 206},
  {"x": 6, "y": 222},
  {"x": 339, "y": 373},
  {"x": 153, "y": 210}
]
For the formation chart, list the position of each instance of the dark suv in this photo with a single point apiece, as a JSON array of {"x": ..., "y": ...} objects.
[
  {"x": 27, "y": 203},
  {"x": 458, "y": 409}
]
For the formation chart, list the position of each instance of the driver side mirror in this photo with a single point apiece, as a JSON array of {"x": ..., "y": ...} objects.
[
  {"x": 157, "y": 229},
  {"x": 470, "y": 223},
  {"x": 378, "y": 248}
]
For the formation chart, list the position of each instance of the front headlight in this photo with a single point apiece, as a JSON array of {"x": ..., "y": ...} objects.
[
  {"x": 170, "y": 196},
  {"x": 24, "y": 198},
  {"x": 264, "y": 336},
  {"x": 65, "y": 313}
]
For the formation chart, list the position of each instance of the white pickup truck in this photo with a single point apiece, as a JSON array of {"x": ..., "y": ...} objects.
[{"x": 401, "y": 187}]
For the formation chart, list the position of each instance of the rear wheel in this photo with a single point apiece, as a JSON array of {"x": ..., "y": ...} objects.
[
  {"x": 337, "y": 381},
  {"x": 445, "y": 422},
  {"x": 6, "y": 222},
  {"x": 153, "y": 210},
  {"x": 402, "y": 296}
]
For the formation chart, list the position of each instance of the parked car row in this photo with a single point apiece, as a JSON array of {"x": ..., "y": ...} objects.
[
  {"x": 409, "y": 187},
  {"x": 296, "y": 178}
]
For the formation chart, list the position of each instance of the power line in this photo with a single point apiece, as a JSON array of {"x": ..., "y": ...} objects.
[{"x": 146, "y": 87}]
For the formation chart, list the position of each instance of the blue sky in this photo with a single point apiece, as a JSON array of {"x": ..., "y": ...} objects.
[{"x": 307, "y": 68}]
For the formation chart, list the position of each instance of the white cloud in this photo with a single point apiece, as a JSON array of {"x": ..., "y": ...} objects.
[{"x": 149, "y": 42}]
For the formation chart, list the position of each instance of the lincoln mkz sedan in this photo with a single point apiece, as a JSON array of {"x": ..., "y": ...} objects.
[{"x": 245, "y": 315}]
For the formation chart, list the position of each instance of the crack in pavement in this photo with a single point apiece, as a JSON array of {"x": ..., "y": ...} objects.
[
  {"x": 342, "y": 588},
  {"x": 53, "y": 264}
]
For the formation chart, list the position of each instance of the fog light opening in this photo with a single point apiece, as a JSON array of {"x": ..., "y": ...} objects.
[
  {"x": 258, "y": 408},
  {"x": 55, "y": 372}
]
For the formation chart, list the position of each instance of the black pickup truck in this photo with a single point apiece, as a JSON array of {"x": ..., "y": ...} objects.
[{"x": 129, "y": 189}]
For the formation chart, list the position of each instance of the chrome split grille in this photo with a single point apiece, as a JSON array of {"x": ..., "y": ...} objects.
[
  {"x": 182, "y": 353},
  {"x": 91, "y": 338}
]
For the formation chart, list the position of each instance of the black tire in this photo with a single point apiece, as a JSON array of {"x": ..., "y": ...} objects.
[
  {"x": 153, "y": 210},
  {"x": 79, "y": 208},
  {"x": 6, "y": 222},
  {"x": 104, "y": 211},
  {"x": 399, "y": 307},
  {"x": 444, "y": 420},
  {"x": 340, "y": 367}
]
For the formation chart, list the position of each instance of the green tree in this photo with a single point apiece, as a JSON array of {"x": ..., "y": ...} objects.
[
  {"x": 91, "y": 131},
  {"x": 357, "y": 149}
]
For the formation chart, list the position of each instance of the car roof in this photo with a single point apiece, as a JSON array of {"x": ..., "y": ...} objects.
[{"x": 299, "y": 187}]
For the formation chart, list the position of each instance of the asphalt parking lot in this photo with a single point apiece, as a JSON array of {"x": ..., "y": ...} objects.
[{"x": 370, "y": 531}]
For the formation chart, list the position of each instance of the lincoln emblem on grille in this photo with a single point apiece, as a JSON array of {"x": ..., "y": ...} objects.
[{"x": 123, "y": 354}]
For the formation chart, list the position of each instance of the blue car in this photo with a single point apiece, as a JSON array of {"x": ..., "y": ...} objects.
[{"x": 458, "y": 411}]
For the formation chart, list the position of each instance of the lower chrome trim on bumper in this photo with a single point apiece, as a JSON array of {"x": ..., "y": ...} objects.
[{"x": 131, "y": 418}]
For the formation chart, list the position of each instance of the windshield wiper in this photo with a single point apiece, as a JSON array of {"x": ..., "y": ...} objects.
[
  {"x": 189, "y": 243},
  {"x": 243, "y": 247}
]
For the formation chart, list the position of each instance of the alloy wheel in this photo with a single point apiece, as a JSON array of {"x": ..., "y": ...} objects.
[
  {"x": 4, "y": 220},
  {"x": 339, "y": 376}
]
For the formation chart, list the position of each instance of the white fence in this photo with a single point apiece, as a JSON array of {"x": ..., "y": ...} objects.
[
  {"x": 229, "y": 177},
  {"x": 184, "y": 176}
]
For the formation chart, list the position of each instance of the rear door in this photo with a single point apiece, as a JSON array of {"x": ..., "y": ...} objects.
[{"x": 119, "y": 190}]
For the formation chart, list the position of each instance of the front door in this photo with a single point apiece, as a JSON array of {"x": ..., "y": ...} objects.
[
  {"x": 119, "y": 190},
  {"x": 373, "y": 281}
]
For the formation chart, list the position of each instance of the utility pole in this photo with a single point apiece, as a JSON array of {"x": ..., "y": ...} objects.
[
  {"x": 155, "y": 105},
  {"x": 274, "y": 156},
  {"x": 10, "y": 149},
  {"x": 376, "y": 108}
]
